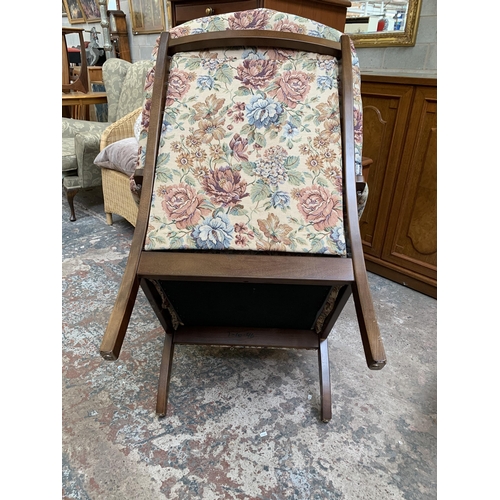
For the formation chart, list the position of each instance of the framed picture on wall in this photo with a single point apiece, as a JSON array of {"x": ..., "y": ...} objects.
[
  {"x": 74, "y": 11},
  {"x": 91, "y": 10},
  {"x": 147, "y": 16}
]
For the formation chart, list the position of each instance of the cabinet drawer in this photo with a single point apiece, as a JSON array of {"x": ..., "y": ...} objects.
[{"x": 186, "y": 12}]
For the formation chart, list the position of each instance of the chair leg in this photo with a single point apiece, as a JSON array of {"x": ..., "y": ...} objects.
[
  {"x": 109, "y": 219},
  {"x": 324, "y": 381},
  {"x": 70, "y": 195},
  {"x": 164, "y": 380},
  {"x": 368, "y": 326}
]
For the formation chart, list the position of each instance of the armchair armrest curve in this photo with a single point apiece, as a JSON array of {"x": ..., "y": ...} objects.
[
  {"x": 71, "y": 127},
  {"x": 121, "y": 129}
]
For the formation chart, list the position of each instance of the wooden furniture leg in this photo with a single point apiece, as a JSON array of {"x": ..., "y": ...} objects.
[
  {"x": 70, "y": 195},
  {"x": 164, "y": 380},
  {"x": 324, "y": 381}
]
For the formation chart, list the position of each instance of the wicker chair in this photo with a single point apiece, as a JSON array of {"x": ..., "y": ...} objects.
[{"x": 118, "y": 198}]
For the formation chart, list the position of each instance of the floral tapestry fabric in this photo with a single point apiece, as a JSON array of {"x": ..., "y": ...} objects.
[{"x": 250, "y": 150}]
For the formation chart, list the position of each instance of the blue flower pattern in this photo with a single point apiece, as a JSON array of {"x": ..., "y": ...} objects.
[{"x": 214, "y": 233}]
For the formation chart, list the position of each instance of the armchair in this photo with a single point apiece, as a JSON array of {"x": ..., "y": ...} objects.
[
  {"x": 124, "y": 82},
  {"x": 247, "y": 233}
]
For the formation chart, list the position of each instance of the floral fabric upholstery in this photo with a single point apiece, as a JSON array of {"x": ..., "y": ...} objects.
[{"x": 250, "y": 151}]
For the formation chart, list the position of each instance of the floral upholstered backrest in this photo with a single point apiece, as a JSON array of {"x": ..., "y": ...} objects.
[{"x": 250, "y": 152}]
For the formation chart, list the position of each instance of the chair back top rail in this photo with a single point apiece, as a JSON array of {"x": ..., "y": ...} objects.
[{"x": 254, "y": 38}]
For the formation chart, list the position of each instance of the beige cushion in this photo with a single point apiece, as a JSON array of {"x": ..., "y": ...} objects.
[{"x": 121, "y": 156}]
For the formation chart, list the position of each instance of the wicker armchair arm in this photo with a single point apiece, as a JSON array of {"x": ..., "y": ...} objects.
[{"x": 121, "y": 129}]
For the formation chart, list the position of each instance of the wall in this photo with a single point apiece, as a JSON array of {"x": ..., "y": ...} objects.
[{"x": 419, "y": 60}]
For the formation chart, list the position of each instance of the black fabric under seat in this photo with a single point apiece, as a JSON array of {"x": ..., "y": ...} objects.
[{"x": 257, "y": 305}]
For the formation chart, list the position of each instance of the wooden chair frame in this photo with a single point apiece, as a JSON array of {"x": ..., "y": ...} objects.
[
  {"x": 349, "y": 273},
  {"x": 80, "y": 84}
]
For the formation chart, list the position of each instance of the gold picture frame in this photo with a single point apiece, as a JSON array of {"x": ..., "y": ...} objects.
[
  {"x": 147, "y": 16},
  {"x": 90, "y": 10},
  {"x": 393, "y": 38},
  {"x": 74, "y": 11}
]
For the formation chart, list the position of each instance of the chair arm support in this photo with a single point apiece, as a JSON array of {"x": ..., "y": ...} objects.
[
  {"x": 121, "y": 129},
  {"x": 86, "y": 149},
  {"x": 71, "y": 127}
]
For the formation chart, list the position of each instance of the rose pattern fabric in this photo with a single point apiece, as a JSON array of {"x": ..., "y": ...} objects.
[
  {"x": 250, "y": 151},
  {"x": 182, "y": 205}
]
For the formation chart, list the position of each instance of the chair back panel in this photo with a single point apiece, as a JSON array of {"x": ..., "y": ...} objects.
[{"x": 262, "y": 19}]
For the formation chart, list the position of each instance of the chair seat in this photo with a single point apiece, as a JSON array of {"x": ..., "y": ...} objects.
[{"x": 69, "y": 162}]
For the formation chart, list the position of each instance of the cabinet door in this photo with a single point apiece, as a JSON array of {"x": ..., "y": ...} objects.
[
  {"x": 411, "y": 240},
  {"x": 385, "y": 115}
]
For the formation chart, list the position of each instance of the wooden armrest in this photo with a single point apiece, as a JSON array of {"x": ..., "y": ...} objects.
[{"x": 121, "y": 129}]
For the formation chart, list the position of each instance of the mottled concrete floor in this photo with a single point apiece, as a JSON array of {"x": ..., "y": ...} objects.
[{"x": 241, "y": 424}]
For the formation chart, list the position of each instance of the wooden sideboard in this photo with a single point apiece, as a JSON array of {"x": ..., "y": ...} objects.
[
  {"x": 329, "y": 12},
  {"x": 399, "y": 224}
]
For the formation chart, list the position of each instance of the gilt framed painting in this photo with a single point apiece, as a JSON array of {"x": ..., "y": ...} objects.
[
  {"x": 91, "y": 10},
  {"x": 147, "y": 16},
  {"x": 74, "y": 11}
]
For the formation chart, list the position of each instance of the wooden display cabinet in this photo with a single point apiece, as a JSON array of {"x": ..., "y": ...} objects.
[{"x": 399, "y": 224}]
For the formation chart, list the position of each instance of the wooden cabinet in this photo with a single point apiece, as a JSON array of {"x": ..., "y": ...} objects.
[
  {"x": 329, "y": 12},
  {"x": 399, "y": 225},
  {"x": 119, "y": 35}
]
